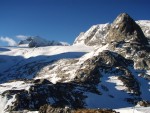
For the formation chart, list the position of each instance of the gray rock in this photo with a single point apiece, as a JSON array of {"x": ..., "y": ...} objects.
[{"x": 125, "y": 28}]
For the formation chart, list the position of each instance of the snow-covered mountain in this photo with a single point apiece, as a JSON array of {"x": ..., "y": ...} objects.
[
  {"x": 36, "y": 41},
  {"x": 145, "y": 26},
  {"x": 95, "y": 36},
  {"x": 107, "y": 67}
]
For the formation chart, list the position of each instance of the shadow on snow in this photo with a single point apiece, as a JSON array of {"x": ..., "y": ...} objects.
[{"x": 17, "y": 67}]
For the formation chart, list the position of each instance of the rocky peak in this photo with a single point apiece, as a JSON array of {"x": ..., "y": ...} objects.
[
  {"x": 122, "y": 17},
  {"x": 124, "y": 28}
]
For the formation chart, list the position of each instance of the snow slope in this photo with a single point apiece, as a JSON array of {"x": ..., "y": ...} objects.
[
  {"x": 21, "y": 60},
  {"x": 16, "y": 54},
  {"x": 14, "y": 85},
  {"x": 145, "y": 26},
  {"x": 18, "y": 57},
  {"x": 15, "y": 60},
  {"x": 94, "y": 36},
  {"x": 134, "y": 110}
]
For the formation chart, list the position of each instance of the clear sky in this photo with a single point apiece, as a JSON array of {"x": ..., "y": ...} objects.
[{"x": 63, "y": 20}]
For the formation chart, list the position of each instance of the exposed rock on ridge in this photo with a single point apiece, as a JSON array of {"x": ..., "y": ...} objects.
[
  {"x": 124, "y": 28},
  {"x": 94, "y": 36},
  {"x": 97, "y": 34}
]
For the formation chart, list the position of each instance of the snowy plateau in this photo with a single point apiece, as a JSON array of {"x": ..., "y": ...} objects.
[{"x": 106, "y": 70}]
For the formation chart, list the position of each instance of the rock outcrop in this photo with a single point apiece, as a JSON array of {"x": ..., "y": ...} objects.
[
  {"x": 126, "y": 38},
  {"x": 124, "y": 28},
  {"x": 50, "y": 109}
]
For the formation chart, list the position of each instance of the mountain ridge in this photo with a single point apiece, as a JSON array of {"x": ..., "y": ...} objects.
[
  {"x": 142, "y": 23},
  {"x": 88, "y": 74},
  {"x": 36, "y": 41}
]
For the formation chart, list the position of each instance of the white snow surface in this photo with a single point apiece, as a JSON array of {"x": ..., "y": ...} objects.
[
  {"x": 145, "y": 26},
  {"x": 94, "y": 53},
  {"x": 17, "y": 85},
  {"x": 17, "y": 54},
  {"x": 47, "y": 51},
  {"x": 96, "y": 32},
  {"x": 11, "y": 56},
  {"x": 113, "y": 92},
  {"x": 5, "y": 102},
  {"x": 134, "y": 110},
  {"x": 13, "y": 85},
  {"x": 33, "y": 112}
]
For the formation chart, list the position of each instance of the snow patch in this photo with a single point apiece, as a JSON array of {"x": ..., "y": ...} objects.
[
  {"x": 134, "y": 110},
  {"x": 94, "y": 53},
  {"x": 17, "y": 85},
  {"x": 5, "y": 102},
  {"x": 119, "y": 83}
]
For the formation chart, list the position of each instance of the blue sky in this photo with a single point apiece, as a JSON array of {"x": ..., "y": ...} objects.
[{"x": 63, "y": 20}]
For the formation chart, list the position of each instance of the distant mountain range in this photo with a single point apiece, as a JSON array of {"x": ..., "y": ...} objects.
[{"x": 36, "y": 41}]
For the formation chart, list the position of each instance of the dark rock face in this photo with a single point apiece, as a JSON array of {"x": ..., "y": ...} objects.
[
  {"x": 50, "y": 109},
  {"x": 142, "y": 63},
  {"x": 44, "y": 92},
  {"x": 125, "y": 28},
  {"x": 105, "y": 60},
  {"x": 126, "y": 38},
  {"x": 144, "y": 103},
  {"x": 131, "y": 83},
  {"x": 108, "y": 62}
]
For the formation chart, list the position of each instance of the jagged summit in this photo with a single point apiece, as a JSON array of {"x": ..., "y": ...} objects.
[
  {"x": 122, "y": 17},
  {"x": 124, "y": 28}
]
